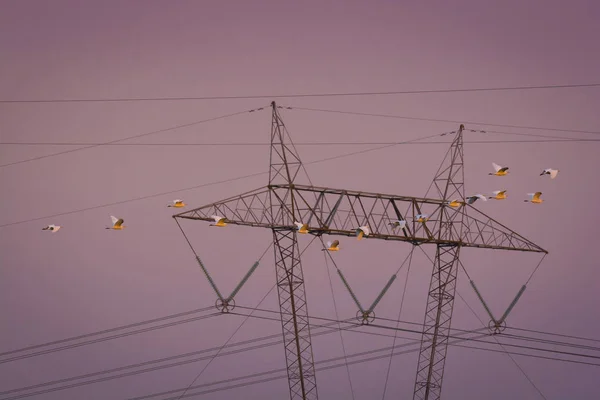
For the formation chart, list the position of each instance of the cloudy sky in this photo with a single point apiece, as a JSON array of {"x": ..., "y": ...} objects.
[{"x": 85, "y": 279}]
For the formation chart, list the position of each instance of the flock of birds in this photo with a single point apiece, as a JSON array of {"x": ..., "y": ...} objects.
[{"x": 363, "y": 231}]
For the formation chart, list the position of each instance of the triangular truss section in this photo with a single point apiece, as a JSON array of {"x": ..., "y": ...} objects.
[{"x": 341, "y": 212}]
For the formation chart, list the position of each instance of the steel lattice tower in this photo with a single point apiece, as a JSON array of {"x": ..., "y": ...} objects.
[
  {"x": 449, "y": 182},
  {"x": 329, "y": 211}
]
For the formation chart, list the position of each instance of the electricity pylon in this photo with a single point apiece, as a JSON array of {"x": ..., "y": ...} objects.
[{"x": 327, "y": 211}]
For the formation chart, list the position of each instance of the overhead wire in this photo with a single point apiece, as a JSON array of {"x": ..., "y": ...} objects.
[
  {"x": 300, "y": 95},
  {"x": 104, "y": 339},
  {"x": 209, "y": 184},
  {"x": 445, "y": 120},
  {"x": 118, "y": 328},
  {"x": 131, "y": 137},
  {"x": 327, "y": 325},
  {"x": 330, "y": 143}
]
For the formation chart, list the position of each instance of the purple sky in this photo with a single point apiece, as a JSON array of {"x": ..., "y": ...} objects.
[{"x": 85, "y": 278}]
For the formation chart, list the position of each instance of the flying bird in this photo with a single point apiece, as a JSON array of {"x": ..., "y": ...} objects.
[
  {"x": 455, "y": 203},
  {"x": 362, "y": 231},
  {"x": 500, "y": 171},
  {"x": 551, "y": 172},
  {"x": 498, "y": 195},
  {"x": 422, "y": 217},
  {"x": 177, "y": 203},
  {"x": 473, "y": 199},
  {"x": 534, "y": 198},
  {"x": 117, "y": 223},
  {"x": 333, "y": 246},
  {"x": 399, "y": 223},
  {"x": 219, "y": 221},
  {"x": 301, "y": 228},
  {"x": 52, "y": 228}
]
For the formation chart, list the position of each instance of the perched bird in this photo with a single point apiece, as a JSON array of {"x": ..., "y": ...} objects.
[
  {"x": 117, "y": 223},
  {"x": 473, "y": 199},
  {"x": 333, "y": 246},
  {"x": 422, "y": 217},
  {"x": 551, "y": 172},
  {"x": 534, "y": 198},
  {"x": 301, "y": 228},
  {"x": 500, "y": 171},
  {"x": 362, "y": 231},
  {"x": 52, "y": 228},
  {"x": 399, "y": 223},
  {"x": 455, "y": 203},
  {"x": 177, "y": 203},
  {"x": 498, "y": 195},
  {"x": 219, "y": 221}
]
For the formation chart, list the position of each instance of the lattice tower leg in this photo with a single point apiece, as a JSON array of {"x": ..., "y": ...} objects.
[
  {"x": 294, "y": 316},
  {"x": 436, "y": 328}
]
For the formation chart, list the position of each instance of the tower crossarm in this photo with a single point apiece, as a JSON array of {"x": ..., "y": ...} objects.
[{"x": 341, "y": 212}]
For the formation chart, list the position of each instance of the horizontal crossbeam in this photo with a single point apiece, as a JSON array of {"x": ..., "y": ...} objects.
[{"x": 341, "y": 212}]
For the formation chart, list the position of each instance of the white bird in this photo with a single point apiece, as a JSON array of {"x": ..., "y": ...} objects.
[
  {"x": 498, "y": 195},
  {"x": 219, "y": 221},
  {"x": 422, "y": 217},
  {"x": 333, "y": 246},
  {"x": 399, "y": 223},
  {"x": 117, "y": 223},
  {"x": 301, "y": 228},
  {"x": 473, "y": 199},
  {"x": 362, "y": 231},
  {"x": 455, "y": 203},
  {"x": 177, "y": 203},
  {"x": 500, "y": 171},
  {"x": 551, "y": 172},
  {"x": 534, "y": 198},
  {"x": 52, "y": 228}
]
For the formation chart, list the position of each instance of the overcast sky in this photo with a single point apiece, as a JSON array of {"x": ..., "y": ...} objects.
[{"x": 85, "y": 278}]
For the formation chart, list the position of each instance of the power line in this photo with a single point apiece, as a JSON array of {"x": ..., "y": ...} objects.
[
  {"x": 300, "y": 95},
  {"x": 118, "y": 328},
  {"x": 132, "y": 137},
  {"x": 442, "y": 120},
  {"x": 385, "y": 327},
  {"x": 104, "y": 339},
  {"x": 210, "y": 183},
  {"x": 244, "y": 349},
  {"x": 341, "y": 143},
  {"x": 319, "y": 369}
]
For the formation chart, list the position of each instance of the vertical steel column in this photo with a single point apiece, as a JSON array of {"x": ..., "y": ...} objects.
[
  {"x": 284, "y": 167},
  {"x": 449, "y": 182},
  {"x": 294, "y": 316},
  {"x": 440, "y": 303}
]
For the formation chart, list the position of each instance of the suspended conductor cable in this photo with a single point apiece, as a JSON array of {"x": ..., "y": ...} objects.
[
  {"x": 337, "y": 317},
  {"x": 132, "y": 137},
  {"x": 387, "y": 375}
]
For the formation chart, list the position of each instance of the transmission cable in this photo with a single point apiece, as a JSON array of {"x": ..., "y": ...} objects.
[
  {"x": 131, "y": 137},
  {"x": 299, "y": 95},
  {"x": 330, "y": 143},
  {"x": 118, "y": 328},
  {"x": 207, "y": 184},
  {"x": 104, "y": 339},
  {"x": 445, "y": 120}
]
